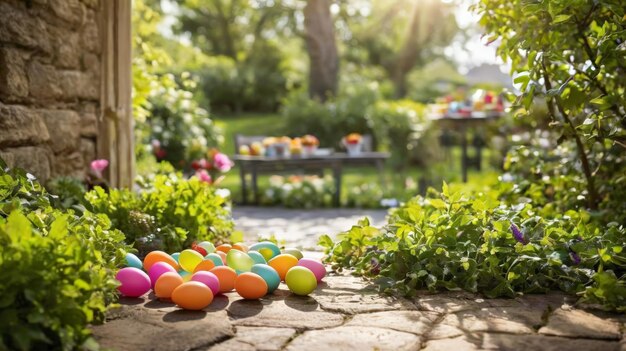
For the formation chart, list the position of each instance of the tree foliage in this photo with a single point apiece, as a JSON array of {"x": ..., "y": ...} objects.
[{"x": 572, "y": 54}]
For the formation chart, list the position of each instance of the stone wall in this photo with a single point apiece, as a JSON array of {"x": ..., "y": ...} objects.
[{"x": 50, "y": 53}]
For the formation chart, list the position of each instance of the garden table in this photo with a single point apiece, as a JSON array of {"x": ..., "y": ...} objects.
[
  {"x": 254, "y": 165},
  {"x": 461, "y": 123}
]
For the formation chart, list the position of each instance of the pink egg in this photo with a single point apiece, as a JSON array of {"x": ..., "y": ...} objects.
[
  {"x": 315, "y": 266},
  {"x": 157, "y": 270},
  {"x": 209, "y": 279},
  {"x": 135, "y": 282}
]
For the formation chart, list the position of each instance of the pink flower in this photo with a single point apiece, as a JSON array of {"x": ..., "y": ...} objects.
[
  {"x": 97, "y": 166},
  {"x": 204, "y": 176},
  {"x": 222, "y": 162}
]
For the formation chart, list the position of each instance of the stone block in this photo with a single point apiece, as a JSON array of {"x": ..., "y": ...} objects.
[
  {"x": 91, "y": 36},
  {"x": 67, "y": 48},
  {"x": 91, "y": 3},
  {"x": 43, "y": 80},
  {"x": 65, "y": 128},
  {"x": 578, "y": 323},
  {"x": 21, "y": 126},
  {"x": 71, "y": 11},
  {"x": 18, "y": 26},
  {"x": 79, "y": 85},
  {"x": 88, "y": 125},
  {"x": 13, "y": 78},
  {"x": 355, "y": 338},
  {"x": 34, "y": 159}
]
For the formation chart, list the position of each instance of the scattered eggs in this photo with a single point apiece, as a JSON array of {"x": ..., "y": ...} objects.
[
  {"x": 157, "y": 270},
  {"x": 217, "y": 260},
  {"x": 226, "y": 276},
  {"x": 209, "y": 279},
  {"x": 268, "y": 274},
  {"x": 315, "y": 266},
  {"x": 133, "y": 261},
  {"x": 294, "y": 252},
  {"x": 158, "y": 256},
  {"x": 239, "y": 261},
  {"x": 205, "y": 265},
  {"x": 257, "y": 257},
  {"x": 224, "y": 248},
  {"x": 189, "y": 259}
]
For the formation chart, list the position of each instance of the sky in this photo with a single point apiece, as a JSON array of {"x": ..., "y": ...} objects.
[{"x": 467, "y": 53}]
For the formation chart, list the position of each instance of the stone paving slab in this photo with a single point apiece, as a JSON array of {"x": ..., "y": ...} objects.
[
  {"x": 300, "y": 228},
  {"x": 345, "y": 313}
]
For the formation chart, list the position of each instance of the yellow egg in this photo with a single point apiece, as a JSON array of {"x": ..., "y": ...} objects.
[{"x": 189, "y": 259}]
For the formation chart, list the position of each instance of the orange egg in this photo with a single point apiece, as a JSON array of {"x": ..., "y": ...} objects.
[
  {"x": 166, "y": 284},
  {"x": 241, "y": 247},
  {"x": 226, "y": 276},
  {"x": 222, "y": 254},
  {"x": 282, "y": 263},
  {"x": 224, "y": 248},
  {"x": 205, "y": 265},
  {"x": 158, "y": 256},
  {"x": 250, "y": 286},
  {"x": 192, "y": 295}
]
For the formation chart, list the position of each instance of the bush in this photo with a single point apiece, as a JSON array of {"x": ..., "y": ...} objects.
[
  {"x": 403, "y": 128},
  {"x": 169, "y": 212},
  {"x": 332, "y": 120},
  {"x": 300, "y": 192},
  {"x": 57, "y": 269},
  {"x": 476, "y": 243}
]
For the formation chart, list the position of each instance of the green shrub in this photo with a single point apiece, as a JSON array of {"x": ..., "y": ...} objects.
[
  {"x": 300, "y": 192},
  {"x": 57, "y": 269},
  {"x": 332, "y": 120},
  {"x": 403, "y": 128},
  {"x": 168, "y": 212},
  {"x": 480, "y": 244}
]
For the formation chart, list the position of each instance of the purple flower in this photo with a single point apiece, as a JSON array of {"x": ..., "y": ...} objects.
[
  {"x": 222, "y": 162},
  {"x": 574, "y": 257},
  {"x": 97, "y": 166},
  {"x": 517, "y": 234}
]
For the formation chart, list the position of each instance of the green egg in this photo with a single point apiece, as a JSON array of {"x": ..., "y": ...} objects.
[{"x": 300, "y": 280}]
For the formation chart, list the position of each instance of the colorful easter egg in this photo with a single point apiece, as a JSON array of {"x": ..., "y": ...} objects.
[
  {"x": 266, "y": 248},
  {"x": 294, "y": 252},
  {"x": 282, "y": 263},
  {"x": 226, "y": 276},
  {"x": 224, "y": 248},
  {"x": 166, "y": 284},
  {"x": 239, "y": 261},
  {"x": 209, "y": 279},
  {"x": 250, "y": 286},
  {"x": 134, "y": 281},
  {"x": 300, "y": 280},
  {"x": 205, "y": 265},
  {"x": 133, "y": 261},
  {"x": 222, "y": 255},
  {"x": 192, "y": 296},
  {"x": 207, "y": 246},
  {"x": 217, "y": 260},
  {"x": 158, "y": 256},
  {"x": 268, "y": 274},
  {"x": 257, "y": 257},
  {"x": 189, "y": 259},
  {"x": 175, "y": 256},
  {"x": 157, "y": 270},
  {"x": 241, "y": 247},
  {"x": 315, "y": 266}
]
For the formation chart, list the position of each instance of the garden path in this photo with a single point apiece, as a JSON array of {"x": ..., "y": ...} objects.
[
  {"x": 347, "y": 313},
  {"x": 299, "y": 228}
]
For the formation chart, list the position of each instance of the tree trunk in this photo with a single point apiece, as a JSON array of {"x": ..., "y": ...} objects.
[
  {"x": 322, "y": 49},
  {"x": 410, "y": 52}
]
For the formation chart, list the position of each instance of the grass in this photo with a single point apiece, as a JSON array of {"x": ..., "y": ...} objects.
[{"x": 271, "y": 125}]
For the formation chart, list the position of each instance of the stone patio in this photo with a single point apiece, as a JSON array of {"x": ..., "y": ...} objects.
[{"x": 347, "y": 313}]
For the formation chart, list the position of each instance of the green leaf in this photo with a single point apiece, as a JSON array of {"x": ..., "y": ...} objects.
[
  {"x": 561, "y": 18},
  {"x": 18, "y": 227}
]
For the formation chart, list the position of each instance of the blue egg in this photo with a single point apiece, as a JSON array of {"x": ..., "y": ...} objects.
[
  {"x": 133, "y": 261},
  {"x": 175, "y": 255},
  {"x": 266, "y": 248},
  {"x": 257, "y": 257},
  {"x": 268, "y": 274},
  {"x": 215, "y": 258}
]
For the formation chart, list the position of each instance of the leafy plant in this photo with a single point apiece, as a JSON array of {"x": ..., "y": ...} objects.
[
  {"x": 480, "y": 244},
  {"x": 300, "y": 192},
  {"x": 57, "y": 268},
  {"x": 571, "y": 54},
  {"x": 169, "y": 211}
]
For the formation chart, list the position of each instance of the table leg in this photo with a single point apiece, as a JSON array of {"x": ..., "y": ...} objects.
[
  {"x": 337, "y": 176},
  {"x": 381, "y": 174},
  {"x": 255, "y": 188},
  {"x": 244, "y": 188},
  {"x": 479, "y": 158},
  {"x": 464, "y": 154}
]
